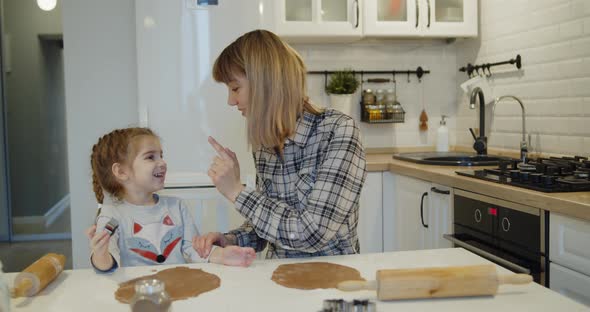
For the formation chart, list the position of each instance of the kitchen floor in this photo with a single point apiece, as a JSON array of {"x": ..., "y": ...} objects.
[{"x": 17, "y": 256}]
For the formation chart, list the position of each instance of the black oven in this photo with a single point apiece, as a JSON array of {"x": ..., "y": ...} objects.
[{"x": 509, "y": 234}]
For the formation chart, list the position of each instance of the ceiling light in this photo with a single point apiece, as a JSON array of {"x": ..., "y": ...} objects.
[{"x": 47, "y": 5}]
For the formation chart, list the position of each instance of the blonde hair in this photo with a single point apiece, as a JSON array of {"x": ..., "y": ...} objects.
[
  {"x": 117, "y": 146},
  {"x": 277, "y": 93}
]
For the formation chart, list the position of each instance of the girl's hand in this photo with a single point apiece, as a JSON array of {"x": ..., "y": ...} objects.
[
  {"x": 99, "y": 242},
  {"x": 225, "y": 171},
  {"x": 90, "y": 231},
  {"x": 234, "y": 256},
  {"x": 202, "y": 244}
]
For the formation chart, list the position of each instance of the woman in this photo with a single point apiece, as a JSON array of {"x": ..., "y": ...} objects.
[{"x": 310, "y": 162}]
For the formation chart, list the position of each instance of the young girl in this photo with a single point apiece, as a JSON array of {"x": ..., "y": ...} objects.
[{"x": 128, "y": 164}]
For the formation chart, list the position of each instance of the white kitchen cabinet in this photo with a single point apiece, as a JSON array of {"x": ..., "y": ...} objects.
[
  {"x": 570, "y": 283},
  {"x": 370, "y": 227},
  {"x": 440, "y": 216},
  {"x": 416, "y": 213},
  {"x": 569, "y": 240},
  {"x": 330, "y": 20},
  {"x": 317, "y": 18},
  {"x": 420, "y": 18},
  {"x": 569, "y": 254}
]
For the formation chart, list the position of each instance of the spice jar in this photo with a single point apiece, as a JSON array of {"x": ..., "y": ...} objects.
[
  {"x": 368, "y": 97},
  {"x": 368, "y": 102},
  {"x": 379, "y": 108},
  {"x": 150, "y": 296}
]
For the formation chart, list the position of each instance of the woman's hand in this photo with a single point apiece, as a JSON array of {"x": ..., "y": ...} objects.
[
  {"x": 202, "y": 244},
  {"x": 233, "y": 255},
  {"x": 225, "y": 171}
]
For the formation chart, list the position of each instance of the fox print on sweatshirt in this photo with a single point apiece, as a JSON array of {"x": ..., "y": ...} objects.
[{"x": 150, "y": 235}]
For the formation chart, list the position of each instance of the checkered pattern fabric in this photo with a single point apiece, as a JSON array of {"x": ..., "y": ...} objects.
[{"x": 307, "y": 202}]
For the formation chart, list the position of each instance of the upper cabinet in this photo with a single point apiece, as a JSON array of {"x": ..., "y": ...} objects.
[
  {"x": 343, "y": 19},
  {"x": 318, "y": 18},
  {"x": 449, "y": 18},
  {"x": 420, "y": 18}
]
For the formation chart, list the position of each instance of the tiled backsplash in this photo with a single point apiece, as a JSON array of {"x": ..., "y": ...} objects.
[
  {"x": 438, "y": 89},
  {"x": 553, "y": 38}
]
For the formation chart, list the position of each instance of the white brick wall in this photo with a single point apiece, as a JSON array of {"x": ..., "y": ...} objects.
[
  {"x": 553, "y": 38},
  {"x": 439, "y": 89}
]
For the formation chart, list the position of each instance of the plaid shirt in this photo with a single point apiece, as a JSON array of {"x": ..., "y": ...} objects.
[{"x": 306, "y": 202}]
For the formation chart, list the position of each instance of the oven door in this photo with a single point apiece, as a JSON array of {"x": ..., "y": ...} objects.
[{"x": 506, "y": 233}]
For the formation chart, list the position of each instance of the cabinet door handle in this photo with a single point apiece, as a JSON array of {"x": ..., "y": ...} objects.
[
  {"x": 417, "y": 13},
  {"x": 356, "y": 2},
  {"x": 445, "y": 192},
  {"x": 428, "y": 25},
  {"x": 422, "y": 209}
]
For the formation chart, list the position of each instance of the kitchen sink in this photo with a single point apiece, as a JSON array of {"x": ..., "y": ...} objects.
[{"x": 450, "y": 159}]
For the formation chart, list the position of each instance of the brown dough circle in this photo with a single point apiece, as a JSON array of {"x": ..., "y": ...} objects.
[
  {"x": 181, "y": 283},
  {"x": 312, "y": 275}
]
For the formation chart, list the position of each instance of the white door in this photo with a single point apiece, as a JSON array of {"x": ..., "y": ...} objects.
[
  {"x": 440, "y": 216},
  {"x": 383, "y": 18},
  {"x": 318, "y": 18},
  {"x": 449, "y": 18},
  {"x": 370, "y": 227},
  {"x": 569, "y": 283},
  {"x": 405, "y": 213}
]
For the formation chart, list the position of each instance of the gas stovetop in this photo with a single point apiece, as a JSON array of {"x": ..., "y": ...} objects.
[{"x": 554, "y": 174}]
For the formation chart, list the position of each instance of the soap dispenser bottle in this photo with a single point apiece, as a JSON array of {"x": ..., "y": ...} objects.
[{"x": 442, "y": 136}]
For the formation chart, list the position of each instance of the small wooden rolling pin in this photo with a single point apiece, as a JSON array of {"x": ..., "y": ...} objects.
[
  {"x": 38, "y": 275},
  {"x": 476, "y": 280}
]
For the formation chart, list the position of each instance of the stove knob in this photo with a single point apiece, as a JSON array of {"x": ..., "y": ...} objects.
[
  {"x": 551, "y": 170},
  {"x": 477, "y": 215},
  {"x": 536, "y": 178},
  {"x": 549, "y": 180},
  {"x": 503, "y": 165},
  {"x": 505, "y": 224},
  {"x": 541, "y": 168}
]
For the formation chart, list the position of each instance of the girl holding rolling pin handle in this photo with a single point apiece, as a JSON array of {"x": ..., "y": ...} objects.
[
  {"x": 128, "y": 164},
  {"x": 310, "y": 162}
]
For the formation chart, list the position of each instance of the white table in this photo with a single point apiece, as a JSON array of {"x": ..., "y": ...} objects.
[{"x": 251, "y": 289}]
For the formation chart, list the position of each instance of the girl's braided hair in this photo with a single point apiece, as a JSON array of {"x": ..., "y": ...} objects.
[{"x": 114, "y": 147}]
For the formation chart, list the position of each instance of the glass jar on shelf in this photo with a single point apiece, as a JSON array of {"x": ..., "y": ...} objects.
[
  {"x": 379, "y": 106},
  {"x": 395, "y": 110},
  {"x": 367, "y": 103}
]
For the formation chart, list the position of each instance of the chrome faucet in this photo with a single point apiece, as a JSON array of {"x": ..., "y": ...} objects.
[
  {"x": 481, "y": 143},
  {"x": 523, "y": 144}
]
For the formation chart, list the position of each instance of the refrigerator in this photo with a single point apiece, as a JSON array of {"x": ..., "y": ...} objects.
[{"x": 177, "y": 44}]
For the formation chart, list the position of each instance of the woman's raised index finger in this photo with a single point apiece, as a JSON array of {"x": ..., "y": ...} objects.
[{"x": 218, "y": 148}]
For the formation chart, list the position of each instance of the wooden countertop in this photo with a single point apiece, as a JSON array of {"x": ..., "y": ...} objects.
[{"x": 574, "y": 204}]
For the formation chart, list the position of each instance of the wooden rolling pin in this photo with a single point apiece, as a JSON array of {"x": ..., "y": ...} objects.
[
  {"x": 476, "y": 280},
  {"x": 38, "y": 275}
]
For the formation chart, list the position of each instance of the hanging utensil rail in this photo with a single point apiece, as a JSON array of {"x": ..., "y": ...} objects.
[
  {"x": 470, "y": 69},
  {"x": 419, "y": 72}
]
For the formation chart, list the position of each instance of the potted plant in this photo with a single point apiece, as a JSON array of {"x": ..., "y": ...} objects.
[{"x": 342, "y": 85}]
